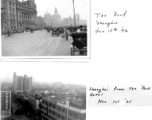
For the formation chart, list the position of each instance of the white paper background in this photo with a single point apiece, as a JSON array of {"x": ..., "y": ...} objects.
[{"x": 116, "y": 59}]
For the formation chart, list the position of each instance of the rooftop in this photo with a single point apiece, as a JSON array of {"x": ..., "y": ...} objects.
[{"x": 59, "y": 100}]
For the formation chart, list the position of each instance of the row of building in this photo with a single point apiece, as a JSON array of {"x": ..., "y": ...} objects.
[
  {"x": 60, "y": 102},
  {"x": 55, "y": 20},
  {"x": 21, "y": 15},
  {"x": 56, "y": 108},
  {"x": 18, "y": 15}
]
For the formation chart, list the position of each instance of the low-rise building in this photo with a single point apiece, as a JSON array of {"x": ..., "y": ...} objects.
[{"x": 54, "y": 108}]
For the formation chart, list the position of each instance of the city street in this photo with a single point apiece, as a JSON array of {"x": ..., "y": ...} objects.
[{"x": 38, "y": 43}]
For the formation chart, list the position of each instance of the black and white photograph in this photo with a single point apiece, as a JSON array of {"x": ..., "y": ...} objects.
[
  {"x": 44, "y": 28},
  {"x": 35, "y": 96},
  {"x": 76, "y": 60}
]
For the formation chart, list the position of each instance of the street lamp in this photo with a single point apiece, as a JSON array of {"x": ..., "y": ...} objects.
[{"x": 74, "y": 13}]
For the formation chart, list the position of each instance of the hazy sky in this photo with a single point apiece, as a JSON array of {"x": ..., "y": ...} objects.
[
  {"x": 43, "y": 72},
  {"x": 65, "y": 7}
]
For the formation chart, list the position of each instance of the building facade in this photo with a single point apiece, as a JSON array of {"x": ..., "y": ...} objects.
[
  {"x": 70, "y": 21},
  {"x": 9, "y": 18},
  {"x": 22, "y": 83},
  {"x": 54, "y": 110},
  {"x": 18, "y": 15},
  {"x": 53, "y": 20},
  {"x": 26, "y": 14}
]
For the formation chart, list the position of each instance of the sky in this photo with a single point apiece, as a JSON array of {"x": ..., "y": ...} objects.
[
  {"x": 65, "y": 7},
  {"x": 42, "y": 72}
]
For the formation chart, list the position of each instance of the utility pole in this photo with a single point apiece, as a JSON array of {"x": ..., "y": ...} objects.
[{"x": 74, "y": 13}]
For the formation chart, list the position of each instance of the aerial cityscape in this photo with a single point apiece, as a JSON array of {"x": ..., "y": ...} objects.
[
  {"x": 27, "y": 32},
  {"x": 23, "y": 99}
]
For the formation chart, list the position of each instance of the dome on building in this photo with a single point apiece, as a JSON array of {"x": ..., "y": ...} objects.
[{"x": 47, "y": 13}]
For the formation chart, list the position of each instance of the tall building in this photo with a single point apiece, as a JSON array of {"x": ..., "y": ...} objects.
[
  {"x": 9, "y": 18},
  {"x": 22, "y": 83},
  {"x": 17, "y": 15},
  {"x": 53, "y": 20},
  {"x": 70, "y": 21},
  {"x": 48, "y": 19},
  {"x": 26, "y": 14},
  {"x": 56, "y": 18}
]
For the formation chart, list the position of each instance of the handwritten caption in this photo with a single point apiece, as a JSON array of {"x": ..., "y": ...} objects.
[
  {"x": 111, "y": 25},
  {"x": 120, "y": 95}
]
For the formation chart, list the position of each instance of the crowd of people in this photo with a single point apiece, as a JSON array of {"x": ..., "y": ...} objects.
[
  {"x": 62, "y": 30},
  {"x": 68, "y": 30}
]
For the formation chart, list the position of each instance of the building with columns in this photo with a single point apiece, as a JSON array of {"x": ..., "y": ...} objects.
[
  {"x": 17, "y": 15},
  {"x": 26, "y": 14}
]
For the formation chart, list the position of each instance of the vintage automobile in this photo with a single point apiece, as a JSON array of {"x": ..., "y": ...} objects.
[
  {"x": 55, "y": 31},
  {"x": 79, "y": 43}
]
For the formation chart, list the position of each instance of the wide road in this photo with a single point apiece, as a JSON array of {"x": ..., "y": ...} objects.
[{"x": 38, "y": 43}]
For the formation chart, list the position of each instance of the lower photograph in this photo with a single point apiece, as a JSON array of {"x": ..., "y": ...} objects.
[{"x": 30, "y": 97}]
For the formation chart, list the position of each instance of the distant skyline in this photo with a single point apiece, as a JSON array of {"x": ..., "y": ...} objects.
[
  {"x": 41, "y": 72},
  {"x": 36, "y": 78},
  {"x": 65, "y": 7}
]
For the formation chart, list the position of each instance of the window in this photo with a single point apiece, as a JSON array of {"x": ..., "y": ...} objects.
[
  {"x": 58, "y": 115},
  {"x": 63, "y": 110},
  {"x": 70, "y": 112},
  {"x": 54, "y": 106},
  {"x": 59, "y": 108},
  {"x": 75, "y": 115},
  {"x": 3, "y": 1},
  {"x": 50, "y": 104},
  {"x": 62, "y": 117},
  {"x": 53, "y": 113},
  {"x": 80, "y": 102}
]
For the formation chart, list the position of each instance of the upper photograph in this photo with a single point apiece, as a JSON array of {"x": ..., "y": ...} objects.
[{"x": 44, "y": 28}]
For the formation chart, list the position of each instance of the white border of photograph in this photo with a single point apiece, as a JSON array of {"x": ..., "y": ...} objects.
[{"x": 56, "y": 58}]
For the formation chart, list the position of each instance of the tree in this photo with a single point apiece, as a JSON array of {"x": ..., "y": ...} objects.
[{"x": 40, "y": 22}]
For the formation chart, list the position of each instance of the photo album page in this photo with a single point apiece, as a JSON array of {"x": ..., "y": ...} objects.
[{"x": 76, "y": 60}]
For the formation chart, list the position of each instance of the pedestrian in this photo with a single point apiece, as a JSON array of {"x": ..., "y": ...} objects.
[
  {"x": 9, "y": 32},
  {"x": 66, "y": 33},
  {"x": 80, "y": 29},
  {"x": 31, "y": 30}
]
